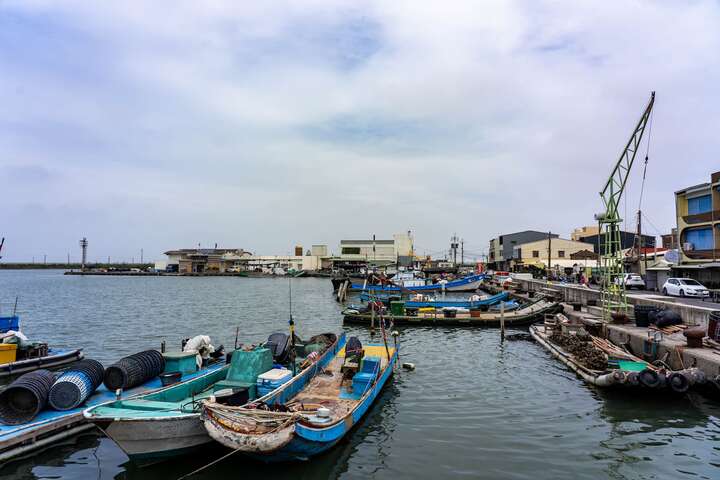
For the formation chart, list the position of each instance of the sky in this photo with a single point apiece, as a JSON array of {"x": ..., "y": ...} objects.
[{"x": 265, "y": 125}]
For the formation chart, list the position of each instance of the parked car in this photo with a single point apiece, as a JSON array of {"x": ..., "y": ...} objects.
[
  {"x": 685, "y": 287},
  {"x": 631, "y": 280}
]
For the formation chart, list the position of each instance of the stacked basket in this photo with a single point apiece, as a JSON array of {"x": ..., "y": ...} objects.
[
  {"x": 24, "y": 398},
  {"x": 134, "y": 370},
  {"x": 75, "y": 385}
]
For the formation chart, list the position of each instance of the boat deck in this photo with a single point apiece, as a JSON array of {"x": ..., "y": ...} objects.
[{"x": 328, "y": 388}]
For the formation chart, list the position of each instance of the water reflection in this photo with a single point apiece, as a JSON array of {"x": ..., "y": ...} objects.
[{"x": 658, "y": 435}]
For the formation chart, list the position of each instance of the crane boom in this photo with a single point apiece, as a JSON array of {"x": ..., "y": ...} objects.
[
  {"x": 615, "y": 186},
  {"x": 613, "y": 296}
]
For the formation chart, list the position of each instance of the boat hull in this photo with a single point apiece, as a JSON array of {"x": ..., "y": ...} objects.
[{"x": 145, "y": 441}]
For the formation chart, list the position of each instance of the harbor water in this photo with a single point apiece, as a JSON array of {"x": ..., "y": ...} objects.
[{"x": 473, "y": 408}]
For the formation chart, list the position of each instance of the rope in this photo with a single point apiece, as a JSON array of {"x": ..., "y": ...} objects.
[{"x": 208, "y": 465}]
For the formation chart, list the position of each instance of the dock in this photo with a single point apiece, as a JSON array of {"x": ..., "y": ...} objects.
[{"x": 52, "y": 426}]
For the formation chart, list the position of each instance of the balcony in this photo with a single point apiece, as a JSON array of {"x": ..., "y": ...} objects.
[
  {"x": 702, "y": 217},
  {"x": 703, "y": 254}
]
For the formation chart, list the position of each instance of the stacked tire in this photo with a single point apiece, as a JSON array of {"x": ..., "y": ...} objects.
[
  {"x": 24, "y": 398},
  {"x": 75, "y": 385},
  {"x": 134, "y": 370}
]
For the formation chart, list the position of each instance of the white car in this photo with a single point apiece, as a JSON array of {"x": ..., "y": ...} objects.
[
  {"x": 631, "y": 280},
  {"x": 685, "y": 287}
]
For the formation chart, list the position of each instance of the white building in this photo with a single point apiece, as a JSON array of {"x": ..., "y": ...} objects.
[{"x": 376, "y": 252}]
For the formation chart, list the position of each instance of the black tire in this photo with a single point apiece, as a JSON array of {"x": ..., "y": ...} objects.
[
  {"x": 682, "y": 293},
  {"x": 665, "y": 292}
]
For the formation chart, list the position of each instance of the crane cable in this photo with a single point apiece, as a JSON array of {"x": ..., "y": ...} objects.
[
  {"x": 642, "y": 185},
  {"x": 647, "y": 153}
]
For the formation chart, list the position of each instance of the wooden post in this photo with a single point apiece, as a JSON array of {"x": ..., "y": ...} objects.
[{"x": 502, "y": 321}]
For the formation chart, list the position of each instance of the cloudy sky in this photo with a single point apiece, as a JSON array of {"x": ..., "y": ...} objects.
[{"x": 263, "y": 125}]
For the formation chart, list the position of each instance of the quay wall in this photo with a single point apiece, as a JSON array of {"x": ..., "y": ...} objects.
[{"x": 691, "y": 314}]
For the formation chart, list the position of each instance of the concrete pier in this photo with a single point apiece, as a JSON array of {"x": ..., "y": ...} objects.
[{"x": 570, "y": 293}]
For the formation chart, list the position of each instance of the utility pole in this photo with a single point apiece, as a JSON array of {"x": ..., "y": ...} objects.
[
  {"x": 141, "y": 253},
  {"x": 83, "y": 245},
  {"x": 549, "y": 254},
  {"x": 68, "y": 262},
  {"x": 462, "y": 252}
]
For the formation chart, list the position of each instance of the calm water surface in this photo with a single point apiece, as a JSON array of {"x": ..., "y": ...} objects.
[{"x": 474, "y": 408}]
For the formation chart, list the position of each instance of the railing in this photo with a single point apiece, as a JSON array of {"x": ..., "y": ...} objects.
[{"x": 702, "y": 217}]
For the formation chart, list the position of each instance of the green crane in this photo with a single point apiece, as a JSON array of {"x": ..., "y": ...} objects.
[{"x": 613, "y": 288}]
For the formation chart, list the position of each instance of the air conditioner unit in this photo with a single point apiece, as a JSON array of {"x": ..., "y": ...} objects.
[{"x": 688, "y": 246}]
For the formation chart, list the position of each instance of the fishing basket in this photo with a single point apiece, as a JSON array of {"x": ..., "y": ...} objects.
[{"x": 24, "y": 398}]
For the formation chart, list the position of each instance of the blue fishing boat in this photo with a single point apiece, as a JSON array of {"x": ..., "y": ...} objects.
[
  {"x": 311, "y": 413},
  {"x": 507, "y": 306},
  {"x": 465, "y": 284},
  {"x": 383, "y": 297},
  {"x": 492, "y": 300}
]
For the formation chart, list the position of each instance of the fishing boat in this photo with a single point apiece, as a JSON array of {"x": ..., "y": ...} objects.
[
  {"x": 309, "y": 414},
  {"x": 382, "y": 297},
  {"x": 490, "y": 300},
  {"x": 605, "y": 365},
  {"x": 524, "y": 316},
  {"x": 465, "y": 284},
  {"x": 160, "y": 425},
  {"x": 22, "y": 356}
]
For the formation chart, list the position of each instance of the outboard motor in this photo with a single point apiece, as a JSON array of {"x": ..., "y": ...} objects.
[{"x": 279, "y": 345}]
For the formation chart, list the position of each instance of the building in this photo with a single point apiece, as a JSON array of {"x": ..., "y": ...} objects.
[
  {"x": 501, "y": 248},
  {"x": 669, "y": 240},
  {"x": 697, "y": 210},
  {"x": 627, "y": 240},
  {"x": 581, "y": 232},
  {"x": 564, "y": 254},
  {"x": 199, "y": 260},
  {"x": 227, "y": 260},
  {"x": 376, "y": 253}
]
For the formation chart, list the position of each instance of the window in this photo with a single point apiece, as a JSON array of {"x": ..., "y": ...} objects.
[
  {"x": 689, "y": 282},
  {"x": 536, "y": 254},
  {"x": 351, "y": 251},
  {"x": 561, "y": 253},
  {"x": 701, "y": 238},
  {"x": 699, "y": 205}
]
